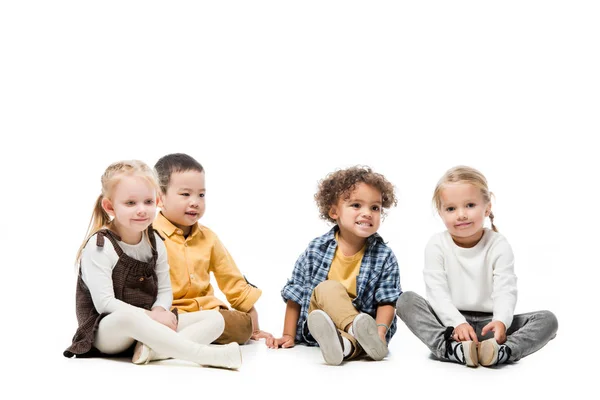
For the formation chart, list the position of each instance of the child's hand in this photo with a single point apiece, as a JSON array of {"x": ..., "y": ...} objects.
[
  {"x": 499, "y": 330},
  {"x": 284, "y": 342},
  {"x": 167, "y": 318},
  {"x": 257, "y": 335},
  {"x": 464, "y": 332}
]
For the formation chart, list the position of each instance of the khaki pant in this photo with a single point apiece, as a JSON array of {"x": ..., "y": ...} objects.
[
  {"x": 332, "y": 298},
  {"x": 238, "y": 327}
]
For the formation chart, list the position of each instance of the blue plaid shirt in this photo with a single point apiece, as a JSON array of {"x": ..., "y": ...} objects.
[{"x": 378, "y": 281}]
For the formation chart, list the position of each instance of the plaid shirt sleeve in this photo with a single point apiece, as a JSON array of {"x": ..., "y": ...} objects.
[
  {"x": 293, "y": 289},
  {"x": 388, "y": 288}
]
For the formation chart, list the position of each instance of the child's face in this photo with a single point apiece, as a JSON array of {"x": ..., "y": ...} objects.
[
  {"x": 360, "y": 214},
  {"x": 183, "y": 204},
  {"x": 463, "y": 211},
  {"x": 133, "y": 206}
]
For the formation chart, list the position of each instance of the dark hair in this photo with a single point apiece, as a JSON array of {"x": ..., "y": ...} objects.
[
  {"x": 177, "y": 162},
  {"x": 341, "y": 183}
]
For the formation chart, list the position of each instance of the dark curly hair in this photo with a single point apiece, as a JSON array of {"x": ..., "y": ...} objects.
[{"x": 341, "y": 183}]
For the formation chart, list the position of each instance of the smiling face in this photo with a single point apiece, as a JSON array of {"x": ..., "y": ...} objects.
[
  {"x": 463, "y": 210},
  {"x": 133, "y": 205},
  {"x": 184, "y": 203},
  {"x": 359, "y": 215}
]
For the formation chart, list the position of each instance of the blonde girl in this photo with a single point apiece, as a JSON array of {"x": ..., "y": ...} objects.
[
  {"x": 468, "y": 316},
  {"x": 123, "y": 290}
]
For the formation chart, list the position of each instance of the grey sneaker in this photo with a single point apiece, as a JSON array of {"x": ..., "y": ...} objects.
[
  {"x": 364, "y": 328},
  {"x": 491, "y": 353},
  {"x": 462, "y": 352},
  {"x": 323, "y": 329}
]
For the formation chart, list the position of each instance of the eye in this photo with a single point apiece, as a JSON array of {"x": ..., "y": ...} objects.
[
  {"x": 202, "y": 195},
  {"x": 450, "y": 209},
  {"x": 355, "y": 205},
  {"x": 471, "y": 205},
  {"x": 184, "y": 194},
  {"x": 149, "y": 201},
  {"x": 130, "y": 203},
  {"x": 375, "y": 208}
]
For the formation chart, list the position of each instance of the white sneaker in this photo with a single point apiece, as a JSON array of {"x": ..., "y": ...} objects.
[
  {"x": 364, "y": 329},
  {"x": 462, "y": 352},
  {"x": 323, "y": 329},
  {"x": 491, "y": 353}
]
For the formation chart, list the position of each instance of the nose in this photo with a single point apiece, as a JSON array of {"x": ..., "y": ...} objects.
[
  {"x": 462, "y": 213},
  {"x": 366, "y": 213}
]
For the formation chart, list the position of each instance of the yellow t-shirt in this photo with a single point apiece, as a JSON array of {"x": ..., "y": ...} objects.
[
  {"x": 192, "y": 259},
  {"x": 345, "y": 269}
]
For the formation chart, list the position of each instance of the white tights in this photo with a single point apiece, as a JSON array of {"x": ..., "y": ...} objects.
[{"x": 118, "y": 331}]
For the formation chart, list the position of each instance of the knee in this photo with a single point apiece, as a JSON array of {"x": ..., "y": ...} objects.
[
  {"x": 215, "y": 319},
  {"x": 550, "y": 320},
  {"x": 127, "y": 319},
  {"x": 328, "y": 286},
  {"x": 406, "y": 302}
]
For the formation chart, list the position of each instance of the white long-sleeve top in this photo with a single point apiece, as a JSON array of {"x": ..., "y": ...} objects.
[
  {"x": 97, "y": 264},
  {"x": 480, "y": 278}
]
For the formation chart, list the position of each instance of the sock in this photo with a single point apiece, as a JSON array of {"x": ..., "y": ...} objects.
[
  {"x": 455, "y": 352},
  {"x": 347, "y": 346}
]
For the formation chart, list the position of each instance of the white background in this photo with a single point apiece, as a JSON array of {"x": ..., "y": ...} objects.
[{"x": 270, "y": 97}]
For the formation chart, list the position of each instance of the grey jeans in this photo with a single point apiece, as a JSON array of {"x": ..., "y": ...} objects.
[{"x": 527, "y": 334}]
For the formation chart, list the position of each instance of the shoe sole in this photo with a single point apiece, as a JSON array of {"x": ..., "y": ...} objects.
[
  {"x": 365, "y": 331},
  {"x": 470, "y": 352},
  {"x": 321, "y": 328},
  {"x": 488, "y": 352}
]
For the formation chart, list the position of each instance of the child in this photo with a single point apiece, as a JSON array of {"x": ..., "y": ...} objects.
[
  {"x": 123, "y": 289},
  {"x": 471, "y": 285},
  {"x": 194, "y": 251},
  {"x": 346, "y": 277}
]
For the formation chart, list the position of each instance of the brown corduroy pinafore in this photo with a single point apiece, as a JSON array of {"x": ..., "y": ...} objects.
[{"x": 134, "y": 282}]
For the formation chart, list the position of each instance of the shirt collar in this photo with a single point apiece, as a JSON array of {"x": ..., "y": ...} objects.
[{"x": 162, "y": 224}]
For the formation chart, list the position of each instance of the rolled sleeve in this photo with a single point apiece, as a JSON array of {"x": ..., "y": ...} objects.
[
  {"x": 388, "y": 289},
  {"x": 294, "y": 288}
]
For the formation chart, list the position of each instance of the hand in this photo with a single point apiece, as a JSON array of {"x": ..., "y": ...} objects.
[
  {"x": 464, "y": 332},
  {"x": 167, "y": 318},
  {"x": 499, "y": 330},
  {"x": 285, "y": 341},
  {"x": 257, "y": 335}
]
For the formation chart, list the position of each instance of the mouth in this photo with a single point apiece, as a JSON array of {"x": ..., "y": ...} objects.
[
  {"x": 462, "y": 225},
  {"x": 140, "y": 219},
  {"x": 192, "y": 213},
  {"x": 364, "y": 224}
]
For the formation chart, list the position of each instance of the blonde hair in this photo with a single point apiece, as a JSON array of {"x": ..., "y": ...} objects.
[
  {"x": 109, "y": 180},
  {"x": 464, "y": 174}
]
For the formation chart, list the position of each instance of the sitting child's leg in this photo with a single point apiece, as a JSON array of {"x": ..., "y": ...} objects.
[
  {"x": 527, "y": 334},
  {"x": 202, "y": 327},
  {"x": 420, "y": 318},
  {"x": 238, "y": 327},
  {"x": 137, "y": 325},
  {"x": 358, "y": 331}
]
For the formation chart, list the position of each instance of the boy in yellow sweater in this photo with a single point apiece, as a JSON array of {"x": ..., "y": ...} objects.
[{"x": 194, "y": 251}]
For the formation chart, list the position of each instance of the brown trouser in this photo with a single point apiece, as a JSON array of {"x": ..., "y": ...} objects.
[
  {"x": 238, "y": 327},
  {"x": 332, "y": 298}
]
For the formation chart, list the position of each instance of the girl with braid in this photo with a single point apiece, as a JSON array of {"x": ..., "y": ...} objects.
[{"x": 471, "y": 285}]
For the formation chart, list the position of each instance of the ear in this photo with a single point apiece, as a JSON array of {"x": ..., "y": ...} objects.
[
  {"x": 333, "y": 212},
  {"x": 108, "y": 207},
  {"x": 159, "y": 200},
  {"x": 488, "y": 209}
]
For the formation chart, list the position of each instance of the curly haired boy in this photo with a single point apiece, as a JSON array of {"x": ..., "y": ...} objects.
[{"x": 344, "y": 286}]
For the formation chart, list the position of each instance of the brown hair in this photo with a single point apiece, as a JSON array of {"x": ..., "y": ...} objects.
[
  {"x": 464, "y": 174},
  {"x": 341, "y": 183}
]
